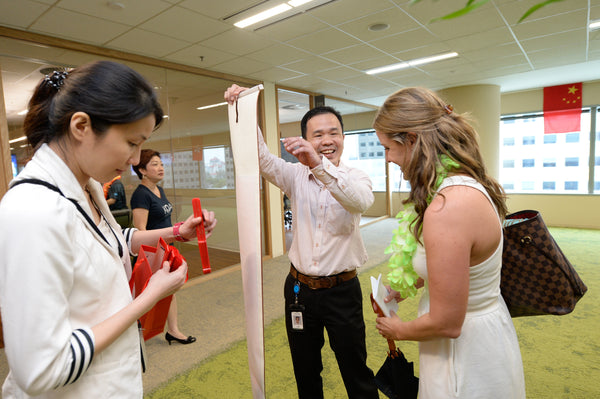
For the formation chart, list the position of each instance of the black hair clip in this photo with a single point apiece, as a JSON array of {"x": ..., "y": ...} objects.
[{"x": 56, "y": 79}]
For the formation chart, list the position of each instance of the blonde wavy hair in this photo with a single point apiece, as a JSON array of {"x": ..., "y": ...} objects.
[{"x": 439, "y": 131}]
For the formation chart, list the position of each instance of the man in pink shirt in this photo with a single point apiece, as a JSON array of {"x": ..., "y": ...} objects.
[{"x": 322, "y": 289}]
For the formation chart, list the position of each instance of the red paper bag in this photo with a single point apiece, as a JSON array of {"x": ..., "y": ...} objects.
[{"x": 150, "y": 260}]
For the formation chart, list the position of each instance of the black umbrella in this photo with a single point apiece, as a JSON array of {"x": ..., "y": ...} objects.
[{"x": 396, "y": 377}]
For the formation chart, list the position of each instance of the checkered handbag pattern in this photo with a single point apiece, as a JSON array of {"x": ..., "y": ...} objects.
[{"x": 537, "y": 278}]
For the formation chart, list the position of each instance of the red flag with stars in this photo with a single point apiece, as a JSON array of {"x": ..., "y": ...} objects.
[{"x": 562, "y": 108}]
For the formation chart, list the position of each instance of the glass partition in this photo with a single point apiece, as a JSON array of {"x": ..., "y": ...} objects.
[
  {"x": 362, "y": 150},
  {"x": 292, "y": 106},
  {"x": 194, "y": 143}
]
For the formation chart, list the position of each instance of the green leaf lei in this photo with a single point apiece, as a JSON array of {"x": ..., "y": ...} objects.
[{"x": 403, "y": 246}]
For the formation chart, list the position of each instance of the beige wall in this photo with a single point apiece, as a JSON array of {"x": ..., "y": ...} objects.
[{"x": 579, "y": 211}]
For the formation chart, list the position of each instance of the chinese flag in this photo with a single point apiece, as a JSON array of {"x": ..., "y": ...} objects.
[{"x": 562, "y": 108}]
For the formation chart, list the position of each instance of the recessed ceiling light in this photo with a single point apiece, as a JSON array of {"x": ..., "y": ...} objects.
[
  {"x": 411, "y": 63},
  {"x": 261, "y": 16},
  {"x": 211, "y": 106},
  {"x": 271, "y": 12},
  {"x": 594, "y": 25},
  {"x": 378, "y": 27},
  {"x": 17, "y": 139}
]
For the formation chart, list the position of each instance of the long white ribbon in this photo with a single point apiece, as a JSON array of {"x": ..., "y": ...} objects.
[{"x": 244, "y": 145}]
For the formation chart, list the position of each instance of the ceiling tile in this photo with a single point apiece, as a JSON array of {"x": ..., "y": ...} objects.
[
  {"x": 397, "y": 20},
  {"x": 341, "y": 11},
  {"x": 425, "y": 11},
  {"x": 375, "y": 62},
  {"x": 493, "y": 52},
  {"x": 80, "y": 28},
  {"x": 547, "y": 57},
  {"x": 200, "y": 56},
  {"x": 302, "y": 81},
  {"x": 238, "y": 42},
  {"x": 575, "y": 38},
  {"x": 404, "y": 41},
  {"x": 366, "y": 82},
  {"x": 185, "y": 25},
  {"x": 275, "y": 74},
  {"x": 291, "y": 28},
  {"x": 139, "y": 41},
  {"x": 241, "y": 66},
  {"x": 550, "y": 25},
  {"x": 424, "y": 51},
  {"x": 481, "y": 20},
  {"x": 340, "y": 73},
  {"x": 20, "y": 13},
  {"x": 353, "y": 54},
  {"x": 594, "y": 12},
  {"x": 500, "y": 62},
  {"x": 314, "y": 42},
  {"x": 310, "y": 65},
  {"x": 481, "y": 40},
  {"x": 133, "y": 13},
  {"x": 278, "y": 54},
  {"x": 513, "y": 10},
  {"x": 218, "y": 9}
]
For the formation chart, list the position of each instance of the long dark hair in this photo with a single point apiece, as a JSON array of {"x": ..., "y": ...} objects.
[{"x": 109, "y": 92}]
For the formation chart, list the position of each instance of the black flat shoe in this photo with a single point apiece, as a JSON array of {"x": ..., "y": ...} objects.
[{"x": 188, "y": 340}]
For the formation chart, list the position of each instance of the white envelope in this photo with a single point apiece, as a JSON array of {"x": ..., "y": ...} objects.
[{"x": 379, "y": 293}]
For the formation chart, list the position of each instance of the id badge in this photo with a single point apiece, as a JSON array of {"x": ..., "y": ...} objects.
[{"x": 297, "y": 315}]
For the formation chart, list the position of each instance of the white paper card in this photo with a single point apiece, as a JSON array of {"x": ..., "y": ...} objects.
[{"x": 379, "y": 293}]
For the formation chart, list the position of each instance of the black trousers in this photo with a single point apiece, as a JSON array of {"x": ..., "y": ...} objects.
[{"x": 339, "y": 310}]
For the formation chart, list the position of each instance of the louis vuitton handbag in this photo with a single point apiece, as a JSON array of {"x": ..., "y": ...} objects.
[{"x": 537, "y": 278}]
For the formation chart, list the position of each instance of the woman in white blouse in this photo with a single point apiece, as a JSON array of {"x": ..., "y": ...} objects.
[{"x": 69, "y": 319}]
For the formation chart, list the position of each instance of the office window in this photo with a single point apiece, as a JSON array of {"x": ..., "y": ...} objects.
[
  {"x": 363, "y": 151},
  {"x": 527, "y": 185},
  {"x": 572, "y": 138},
  {"x": 537, "y": 160},
  {"x": 597, "y": 161},
  {"x": 529, "y": 140},
  {"x": 508, "y": 186},
  {"x": 528, "y": 163},
  {"x": 549, "y": 185},
  {"x": 549, "y": 138},
  {"x": 571, "y": 185},
  {"x": 572, "y": 161}
]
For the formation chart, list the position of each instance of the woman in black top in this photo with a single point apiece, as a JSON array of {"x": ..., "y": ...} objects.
[{"x": 152, "y": 210}]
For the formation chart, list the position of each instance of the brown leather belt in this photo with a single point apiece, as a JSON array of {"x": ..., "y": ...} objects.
[{"x": 318, "y": 282}]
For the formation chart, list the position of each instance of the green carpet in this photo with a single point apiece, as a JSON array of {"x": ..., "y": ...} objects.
[{"x": 560, "y": 353}]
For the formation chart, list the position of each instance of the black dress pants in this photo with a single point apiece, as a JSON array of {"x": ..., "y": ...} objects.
[{"x": 339, "y": 310}]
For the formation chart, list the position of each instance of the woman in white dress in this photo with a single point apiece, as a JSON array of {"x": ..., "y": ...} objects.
[{"x": 452, "y": 237}]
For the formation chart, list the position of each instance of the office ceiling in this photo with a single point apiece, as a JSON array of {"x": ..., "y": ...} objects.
[{"x": 326, "y": 46}]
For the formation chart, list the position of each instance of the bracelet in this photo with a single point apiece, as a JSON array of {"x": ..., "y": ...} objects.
[{"x": 177, "y": 234}]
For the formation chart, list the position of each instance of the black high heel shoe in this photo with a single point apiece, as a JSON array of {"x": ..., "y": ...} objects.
[{"x": 188, "y": 340}]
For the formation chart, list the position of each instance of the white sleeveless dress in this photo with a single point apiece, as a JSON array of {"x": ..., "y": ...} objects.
[{"x": 485, "y": 360}]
